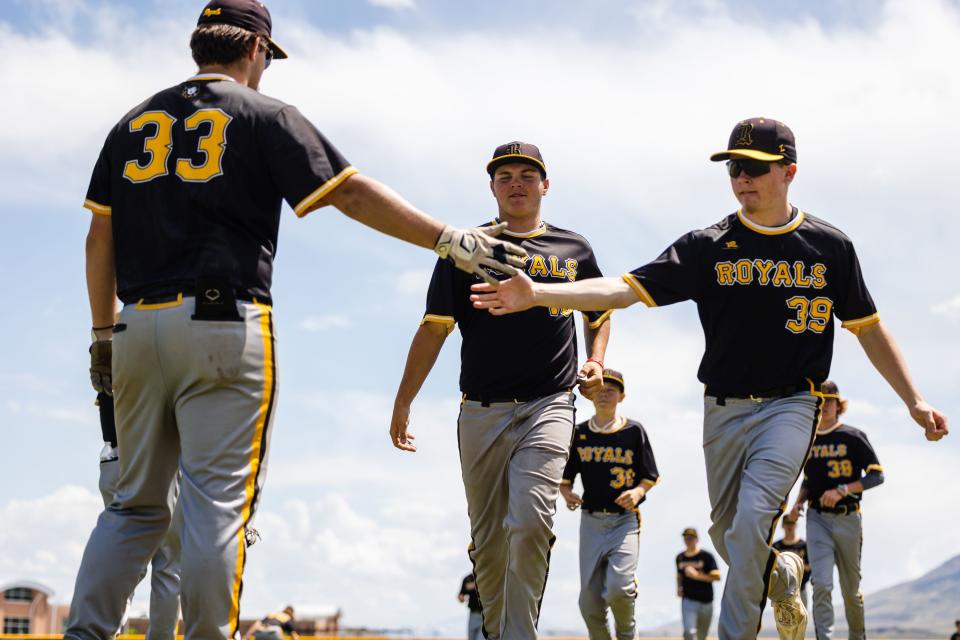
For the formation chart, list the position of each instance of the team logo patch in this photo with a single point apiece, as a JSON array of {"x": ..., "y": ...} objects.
[
  {"x": 731, "y": 245},
  {"x": 514, "y": 149},
  {"x": 212, "y": 12},
  {"x": 745, "y": 135},
  {"x": 190, "y": 91}
]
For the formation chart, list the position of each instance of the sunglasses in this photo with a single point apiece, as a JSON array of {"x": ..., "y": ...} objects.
[
  {"x": 268, "y": 55},
  {"x": 753, "y": 168}
]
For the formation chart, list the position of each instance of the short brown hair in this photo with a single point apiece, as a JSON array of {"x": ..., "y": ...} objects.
[{"x": 219, "y": 44}]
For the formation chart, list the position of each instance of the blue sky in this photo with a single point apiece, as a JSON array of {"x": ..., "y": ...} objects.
[{"x": 626, "y": 100}]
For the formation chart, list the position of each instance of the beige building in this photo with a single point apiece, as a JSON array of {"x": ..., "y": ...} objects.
[{"x": 25, "y": 607}]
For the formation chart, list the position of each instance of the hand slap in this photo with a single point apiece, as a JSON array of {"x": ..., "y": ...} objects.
[
  {"x": 475, "y": 250},
  {"x": 506, "y": 296}
]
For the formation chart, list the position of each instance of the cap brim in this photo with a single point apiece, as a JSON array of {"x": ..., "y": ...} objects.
[
  {"x": 278, "y": 52},
  {"x": 752, "y": 154},
  {"x": 515, "y": 157},
  {"x": 616, "y": 381}
]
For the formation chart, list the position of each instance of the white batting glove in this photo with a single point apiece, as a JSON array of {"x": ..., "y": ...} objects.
[{"x": 473, "y": 249}]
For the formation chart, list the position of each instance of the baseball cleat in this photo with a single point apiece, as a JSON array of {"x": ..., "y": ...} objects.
[{"x": 788, "y": 611}]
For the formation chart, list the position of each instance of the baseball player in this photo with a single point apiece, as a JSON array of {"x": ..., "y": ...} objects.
[
  {"x": 696, "y": 572},
  {"x": 514, "y": 430},
  {"x": 793, "y": 543},
  {"x": 165, "y": 563},
  {"x": 274, "y": 626},
  {"x": 186, "y": 198},
  {"x": 842, "y": 465},
  {"x": 468, "y": 594},
  {"x": 614, "y": 459},
  {"x": 956, "y": 635},
  {"x": 768, "y": 281}
]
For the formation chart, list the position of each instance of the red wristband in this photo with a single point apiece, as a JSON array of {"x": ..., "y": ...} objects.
[{"x": 595, "y": 360}]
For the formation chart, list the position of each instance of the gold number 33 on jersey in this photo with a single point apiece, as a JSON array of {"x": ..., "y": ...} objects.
[{"x": 159, "y": 145}]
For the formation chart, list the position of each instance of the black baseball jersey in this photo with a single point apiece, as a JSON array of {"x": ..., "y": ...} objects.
[
  {"x": 610, "y": 463},
  {"x": 766, "y": 298},
  {"x": 194, "y": 179},
  {"x": 704, "y": 562},
  {"x": 800, "y": 548},
  {"x": 536, "y": 348},
  {"x": 839, "y": 456},
  {"x": 469, "y": 589}
]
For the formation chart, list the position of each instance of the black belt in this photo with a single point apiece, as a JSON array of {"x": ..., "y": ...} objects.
[
  {"x": 486, "y": 400},
  {"x": 765, "y": 394},
  {"x": 163, "y": 298},
  {"x": 841, "y": 510},
  {"x": 604, "y": 512}
]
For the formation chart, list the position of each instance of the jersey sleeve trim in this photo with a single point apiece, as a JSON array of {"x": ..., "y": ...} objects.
[
  {"x": 639, "y": 289},
  {"x": 96, "y": 207},
  {"x": 569, "y": 483},
  {"x": 854, "y": 326},
  {"x": 447, "y": 320},
  {"x": 599, "y": 321},
  {"x": 873, "y": 467},
  {"x": 306, "y": 205}
]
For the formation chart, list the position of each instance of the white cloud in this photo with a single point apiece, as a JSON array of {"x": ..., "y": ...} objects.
[
  {"x": 43, "y": 538},
  {"x": 325, "y": 323},
  {"x": 396, "y": 5},
  {"x": 413, "y": 282},
  {"x": 29, "y": 411},
  {"x": 949, "y": 309}
]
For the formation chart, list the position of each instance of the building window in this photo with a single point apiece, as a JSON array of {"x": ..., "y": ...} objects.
[
  {"x": 18, "y": 594},
  {"x": 16, "y": 625}
]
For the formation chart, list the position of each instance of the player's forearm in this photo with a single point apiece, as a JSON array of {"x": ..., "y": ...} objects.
[
  {"x": 100, "y": 270},
  {"x": 647, "y": 484},
  {"x": 885, "y": 355},
  {"x": 424, "y": 350},
  {"x": 379, "y": 207},
  {"x": 873, "y": 478},
  {"x": 593, "y": 294},
  {"x": 597, "y": 339}
]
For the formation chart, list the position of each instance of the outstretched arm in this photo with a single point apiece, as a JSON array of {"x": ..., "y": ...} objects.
[
  {"x": 883, "y": 352},
  {"x": 374, "y": 204},
  {"x": 379, "y": 207},
  {"x": 424, "y": 349},
  {"x": 520, "y": 293}
]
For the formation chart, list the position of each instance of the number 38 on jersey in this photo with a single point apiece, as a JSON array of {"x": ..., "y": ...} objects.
[{"x": 157, "y": 127}]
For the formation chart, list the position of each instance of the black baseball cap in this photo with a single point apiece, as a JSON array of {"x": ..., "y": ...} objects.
[
  {"x": 690, "y": 532},
  {"x": 829, "y": 389},
  {"x": 517, "y": 152},
  {"x": 614, "y": 377},
  {"x": 760, "y": 139},
  {"x": 246, "y": 14}
]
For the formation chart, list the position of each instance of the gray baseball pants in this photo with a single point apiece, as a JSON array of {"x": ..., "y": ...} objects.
[
  {"x": 696, "y": 617},
  {"x": 512, "y": 457},
  {"x": 165, "y": 564},
  {"x": 475, "y": 626},
  {"x": 198, "y": 397},
  {"x": 835, "y": 538},
  {"x": 609, "y": 546},
  {"x": 754, "y": 451}
]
